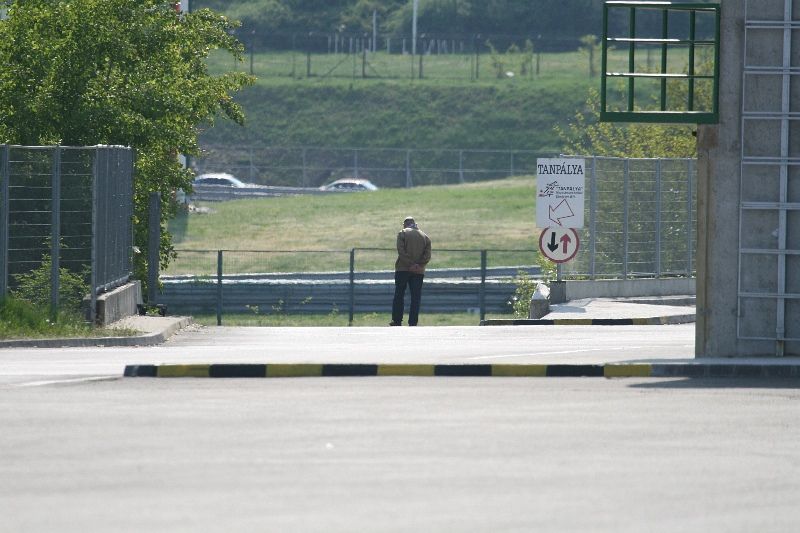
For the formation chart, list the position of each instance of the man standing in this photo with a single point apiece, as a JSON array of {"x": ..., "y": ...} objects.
[{"x": 413, "y": 253}]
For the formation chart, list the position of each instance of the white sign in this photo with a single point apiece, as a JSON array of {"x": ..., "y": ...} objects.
[
  {"x": 559, "y": 244},
  {"x": 560, "y": 185}
]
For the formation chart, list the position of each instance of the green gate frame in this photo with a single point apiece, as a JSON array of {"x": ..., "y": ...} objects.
[{"x": 662, "y": 115}]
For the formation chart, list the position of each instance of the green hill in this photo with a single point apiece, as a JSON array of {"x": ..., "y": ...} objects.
[{"x": 518, "y": 116}]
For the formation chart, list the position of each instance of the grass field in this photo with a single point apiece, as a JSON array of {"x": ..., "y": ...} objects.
[
  {"x": 487, "y": 215},
  {"x": 491, "y": 68}
]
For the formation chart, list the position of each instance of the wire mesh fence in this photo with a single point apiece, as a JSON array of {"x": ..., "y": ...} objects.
[
  {"x": 641, "y": 219},
  {"x": 386, "y": 167},
  {"x": 380, "y": 56},
  {"x": 67, "y": 214}
]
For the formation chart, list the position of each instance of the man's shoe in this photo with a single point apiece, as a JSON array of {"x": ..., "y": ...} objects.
[{"x": 394, "y": 324}]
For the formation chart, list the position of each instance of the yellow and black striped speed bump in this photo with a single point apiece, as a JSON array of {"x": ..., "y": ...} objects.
[{"x": 663, "y": 370}]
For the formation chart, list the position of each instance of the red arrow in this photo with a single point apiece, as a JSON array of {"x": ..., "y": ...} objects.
[{"x": 565, "y": 240}]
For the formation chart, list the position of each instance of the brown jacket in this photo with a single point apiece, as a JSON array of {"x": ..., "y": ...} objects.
[{"x": 413, "y": 246}]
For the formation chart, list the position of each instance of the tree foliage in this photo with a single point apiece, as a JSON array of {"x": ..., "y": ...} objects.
[
  {"x": 587, "y": 135},
  {"x": 550, "y": 18},
  {"x": 118, "y": 72}
]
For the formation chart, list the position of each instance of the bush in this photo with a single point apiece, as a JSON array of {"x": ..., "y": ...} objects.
[
  {"x": 19, "y": 318},
  {"x": 34, "y": 287},
  {"x": 526, "y": 286},
  {"x": 521, "y": 301}
]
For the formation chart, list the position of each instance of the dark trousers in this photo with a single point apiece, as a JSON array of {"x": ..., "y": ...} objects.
[{"x": 402, "y": 280}]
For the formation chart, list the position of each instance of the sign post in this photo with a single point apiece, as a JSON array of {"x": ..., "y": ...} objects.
[{"x": 560, "y": 187}]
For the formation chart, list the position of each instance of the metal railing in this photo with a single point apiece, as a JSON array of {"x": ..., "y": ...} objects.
[
  {"x": 640, "y": 217},
  {"x": 71, "y": 206},
  {"x": 359, "y": 280}
]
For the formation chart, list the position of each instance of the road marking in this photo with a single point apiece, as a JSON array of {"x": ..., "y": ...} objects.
[
  {"x": 67, "y": 381},
  {"x": 541, "y": 354}
]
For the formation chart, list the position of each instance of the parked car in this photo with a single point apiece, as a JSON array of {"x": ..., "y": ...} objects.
[
  {"x": 221, "y": 179},
  {"x": 350, "y": 184}
]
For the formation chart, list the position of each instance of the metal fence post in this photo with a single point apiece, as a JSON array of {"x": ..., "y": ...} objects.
[
  {"x": 355, "y": 163},
  {"x": 689, "y": 211},
  {"x": 461, "y": 166},
  {"x": 5, "y": 176},
  {"x": 95, "y": 240},
  {"x": 625, "y": 211},
  {"x": 409, "y": 183},
  {"x": 352, "y": 289},
  {"x": 153, "y": 245},
  {"x": 482, "y": 296},
  {"x": 252, "y": 167},
  {"x": 55, "y": 232},
  {"x": 658, "y": 217},
  {"x": 305, "y": 176},
  {"x": 593, "y": 220},
  {"x": 219, "y": 287},
  {"x": 511, "y": 174}
]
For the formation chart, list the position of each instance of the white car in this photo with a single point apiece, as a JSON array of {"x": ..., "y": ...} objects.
[
  {"x": 350, "y": 184},
  {"x": 221, "y": 179}
]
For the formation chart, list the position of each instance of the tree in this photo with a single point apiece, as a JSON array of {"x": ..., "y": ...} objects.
[
  {"x": 591, "y": 47},
  {"x": 586, "y": 135},
  {"x": 121, "y": 72}
]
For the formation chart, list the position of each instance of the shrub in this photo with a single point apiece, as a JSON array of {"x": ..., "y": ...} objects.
[{"x": 34, "y": 287}]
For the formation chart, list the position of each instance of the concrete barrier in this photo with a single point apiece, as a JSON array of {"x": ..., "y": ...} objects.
[
  {"x": 628, "y": 288},
  {"x": 118, "y": 303}
]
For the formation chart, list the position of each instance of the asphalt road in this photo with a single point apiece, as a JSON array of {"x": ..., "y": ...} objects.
[
  {"x": 400, "y": 454},
  {"x": 431, "y": 345}
]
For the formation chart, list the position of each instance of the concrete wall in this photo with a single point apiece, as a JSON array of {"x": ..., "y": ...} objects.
[
  {"x": 724, "y": 319},
  {"x": 628, "y": 288},
  {"x": 119, "y": 303}
]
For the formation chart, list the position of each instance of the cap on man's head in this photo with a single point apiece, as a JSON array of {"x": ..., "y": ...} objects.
[{"x": 408, "y": 222}]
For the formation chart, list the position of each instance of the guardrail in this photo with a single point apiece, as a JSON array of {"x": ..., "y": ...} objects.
[{"x": 226, "y": 281}]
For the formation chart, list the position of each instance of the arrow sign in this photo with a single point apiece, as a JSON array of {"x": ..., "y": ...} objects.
[
  {"x": 553, "y": 246},
  {"x": 560, "y": 188},
  {"x": 562, "y": 210},
  {"x": 559, "y": 244},
  {"x": 565, "y": 240}
]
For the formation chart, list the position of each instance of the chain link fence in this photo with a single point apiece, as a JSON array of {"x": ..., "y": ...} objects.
[
  {"x": 641, "y": 219},
  {"x": 381, "y": 56},
  {"x": 385, "y": 167},
  {"x": 69, "y": 211}
]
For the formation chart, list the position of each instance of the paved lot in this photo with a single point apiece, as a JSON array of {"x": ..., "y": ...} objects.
[
  {"x": 83, "y": 450},
  {"x": 401, "y": 454},
  {"x": 485, "y": 345}
]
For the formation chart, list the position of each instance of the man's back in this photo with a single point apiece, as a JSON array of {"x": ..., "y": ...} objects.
[{"x": 413, "y": 247}]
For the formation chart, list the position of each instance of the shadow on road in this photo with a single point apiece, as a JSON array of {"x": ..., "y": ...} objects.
[{"x": 721, "y": 383}]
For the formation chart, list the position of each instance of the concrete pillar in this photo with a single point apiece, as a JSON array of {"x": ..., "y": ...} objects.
[{"x": 724, "y": 323}]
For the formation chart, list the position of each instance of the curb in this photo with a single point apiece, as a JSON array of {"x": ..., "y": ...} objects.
[
  {"x": 653, "y": 321},
  {"x": 149, "y": 339},
  {"x": 634, "y": 370}
]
